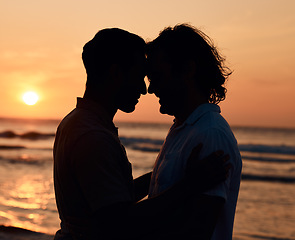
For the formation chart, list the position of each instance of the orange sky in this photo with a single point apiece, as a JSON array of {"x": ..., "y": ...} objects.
[{"x": 41, "y": 44}]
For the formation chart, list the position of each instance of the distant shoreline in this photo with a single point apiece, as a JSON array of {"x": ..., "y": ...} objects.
[{"x": 15, "y": 119}]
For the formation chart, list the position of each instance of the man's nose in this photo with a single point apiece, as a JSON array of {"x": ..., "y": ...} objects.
[
  {"x": 143, "y": 88},
  {"x": 151, "y": 88}
]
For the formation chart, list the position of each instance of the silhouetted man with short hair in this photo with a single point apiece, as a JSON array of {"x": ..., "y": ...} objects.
[
  {"x": 187, "y": 74},
  {"x": 96, "y": 195}
]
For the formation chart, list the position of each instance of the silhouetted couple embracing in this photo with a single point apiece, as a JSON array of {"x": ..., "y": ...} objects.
[{"x": 193, "y": 188}]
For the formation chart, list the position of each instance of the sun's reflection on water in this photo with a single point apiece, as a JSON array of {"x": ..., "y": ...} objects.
[{"x": 26, "y": 201}]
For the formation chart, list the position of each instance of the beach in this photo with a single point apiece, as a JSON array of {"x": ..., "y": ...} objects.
[{"x": 265, "y": 209}]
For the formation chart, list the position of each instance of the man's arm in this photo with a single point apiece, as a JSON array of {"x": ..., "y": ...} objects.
[
  {"x": 158, "y": 216},
  {"x": 136, "y": 220},
  {"x": 119, "y": 217},
  {"x": 141, "y": 186},
  {"x": 192, "y": 222},
  {"x": 204, "y": 211},
  {"x": 149, "y": 216},
  {"x": 196, "y": 215}
]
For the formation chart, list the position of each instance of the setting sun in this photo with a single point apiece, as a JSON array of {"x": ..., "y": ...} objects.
[{"x": 30, "y": 98}]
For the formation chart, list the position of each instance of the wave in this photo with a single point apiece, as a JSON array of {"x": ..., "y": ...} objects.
[
  {"x": 259, "y": 236},
  {"x": 245, "y": 177},
  {"x": 268, "y": 159},
  {"x": 282, "y": 179},
  {"x": 142, "y": 144},
  {"x": 16, "y": 147},
  {"x": 260, "y": 148},
  {"x": 9, "y": 147},
  {"x": 154, "y": 145},
  {"x": 26, "y": 160},
  {"x": 131, "y": 140},
  {"x": 28, "y": 135}
]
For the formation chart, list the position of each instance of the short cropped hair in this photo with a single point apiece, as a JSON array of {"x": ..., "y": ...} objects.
[
  {"x": 184, "y": 43},
  {"x": 110, "y": 46}
]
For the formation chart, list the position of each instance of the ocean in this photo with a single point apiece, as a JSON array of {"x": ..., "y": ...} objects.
[{"x": 266, "y": 205}]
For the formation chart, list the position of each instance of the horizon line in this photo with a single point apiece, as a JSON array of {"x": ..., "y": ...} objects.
[{"x": 144, "y": 122}]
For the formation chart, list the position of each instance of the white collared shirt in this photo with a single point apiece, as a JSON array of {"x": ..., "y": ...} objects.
[{"x": 205, "y": 125}]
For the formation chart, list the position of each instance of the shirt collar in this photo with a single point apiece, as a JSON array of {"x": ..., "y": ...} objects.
[
  {"x": 104, "y": 117},
  {"x": 199, "y": 112}
]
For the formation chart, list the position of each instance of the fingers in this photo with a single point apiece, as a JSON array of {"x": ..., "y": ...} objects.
[
  {"x": 220, "y": 174},
  {"x": 220, "y": 169},
  {"x": 215, "y": 175},
  {"x": 214, "y": 156},
  {"x": 196, "y": 151},
  {"x": 215, "y": 179},
  {"x": 216, "y": 159},
  {"x": 214, "y": 169},
  {"x": 225, "y": 158}
]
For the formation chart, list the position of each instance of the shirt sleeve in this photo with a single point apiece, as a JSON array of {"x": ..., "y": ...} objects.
[
  {"x": 214, "y": 139},
  {"x": 100, "y": 166}
]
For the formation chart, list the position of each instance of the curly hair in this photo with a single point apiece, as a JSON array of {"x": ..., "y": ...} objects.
[{"x": 183, "y": 43}]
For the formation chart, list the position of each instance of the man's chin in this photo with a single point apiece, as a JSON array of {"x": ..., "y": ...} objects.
[
  {"x": 164, "y": 110},
  {"x": 127, "y": 109}
]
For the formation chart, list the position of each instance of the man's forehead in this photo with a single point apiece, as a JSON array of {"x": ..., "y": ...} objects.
[
  {"x": 156, "y": 54},
  {"x": 139, "y": 58},
  {"x": 157, "y": 60}
]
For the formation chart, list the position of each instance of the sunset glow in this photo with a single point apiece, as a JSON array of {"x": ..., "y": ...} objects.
[{"x": 41, "y": 52}]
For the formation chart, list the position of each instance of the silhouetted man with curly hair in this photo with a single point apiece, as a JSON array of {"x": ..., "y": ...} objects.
[{"x": 187, "y": 74}]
